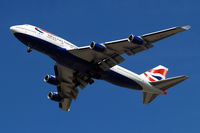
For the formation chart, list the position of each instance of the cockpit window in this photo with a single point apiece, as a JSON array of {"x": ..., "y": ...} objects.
[
  {"x": 36, "y": 28},
  {"x": 42, "y": 31}
]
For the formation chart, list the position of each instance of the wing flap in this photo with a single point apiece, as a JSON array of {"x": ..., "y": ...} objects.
[
  {"x": 110, "y": 61},
  {"x": 104, "y": 60},
  {"x": 137, "y": 49}
]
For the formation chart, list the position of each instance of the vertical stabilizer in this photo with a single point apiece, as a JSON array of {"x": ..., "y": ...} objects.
[{"x": 155, "y": 74}]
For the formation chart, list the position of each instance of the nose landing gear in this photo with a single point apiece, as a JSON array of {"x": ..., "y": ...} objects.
[
  {"x": 29, "y": 49},
  {"x": 90, "y": 81}
]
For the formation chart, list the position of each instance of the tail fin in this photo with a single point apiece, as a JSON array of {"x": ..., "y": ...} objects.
[
  {"x": 156, "y": 74},
  {"x": 162, "y": 85}
]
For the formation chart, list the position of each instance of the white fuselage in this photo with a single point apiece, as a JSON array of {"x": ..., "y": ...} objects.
[{"x": 31, "y": 35}]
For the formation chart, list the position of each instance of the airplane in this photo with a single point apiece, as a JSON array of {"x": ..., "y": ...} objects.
[{"x": 79, "y": 66}]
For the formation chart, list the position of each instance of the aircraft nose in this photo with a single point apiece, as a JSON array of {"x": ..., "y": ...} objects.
[{"x": 13, "y": 29}]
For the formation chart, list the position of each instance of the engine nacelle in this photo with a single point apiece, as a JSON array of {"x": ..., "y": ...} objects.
[
  {"x": 51, "y": 79},
  {"x": 97, "y": 47},
  {"x": 54, "y": 96},
  {"x": 135, "y": 39}
]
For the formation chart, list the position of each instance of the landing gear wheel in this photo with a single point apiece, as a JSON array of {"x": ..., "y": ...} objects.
[
  {"x": 90, "y": 81},
  {"x": 29, "y": 49}
]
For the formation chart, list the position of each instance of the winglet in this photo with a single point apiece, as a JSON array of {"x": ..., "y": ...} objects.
[{"x": 187, "y": 27}]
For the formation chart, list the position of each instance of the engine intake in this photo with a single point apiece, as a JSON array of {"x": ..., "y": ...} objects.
[
  {"x": 97, "y": 47},
  {"x": 51, "y": 79},
  {"x": 135, "y": 39},
  {"x": 54, "y": 96}
]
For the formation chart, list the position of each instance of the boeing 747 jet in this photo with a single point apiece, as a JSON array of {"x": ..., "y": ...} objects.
[{"x": 79, "y": 66}]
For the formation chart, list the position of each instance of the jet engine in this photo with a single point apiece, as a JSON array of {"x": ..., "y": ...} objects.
[
  {"x": 51, "y": 79},
  {"x": 54, "y": 96},
  {"x": 135, "y": 39},
  {"x": 97, "y": 47}
]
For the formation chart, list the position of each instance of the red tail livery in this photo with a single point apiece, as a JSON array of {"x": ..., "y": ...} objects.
[{"x": 156, "y": 74}]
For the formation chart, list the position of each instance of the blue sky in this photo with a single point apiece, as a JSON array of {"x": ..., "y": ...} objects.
[{"x": 102, "y": 107}]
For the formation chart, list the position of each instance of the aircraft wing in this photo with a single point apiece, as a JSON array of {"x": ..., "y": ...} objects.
[
  {"x": 108, "y": 54},
  {"x": 68, "y": 81}
]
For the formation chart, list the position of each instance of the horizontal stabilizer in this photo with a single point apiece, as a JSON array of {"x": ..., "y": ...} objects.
[
  {"x": 156, "y": 36},
  {"x": 147, "y": 97},
  {"x": 167, "y": 83}
]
